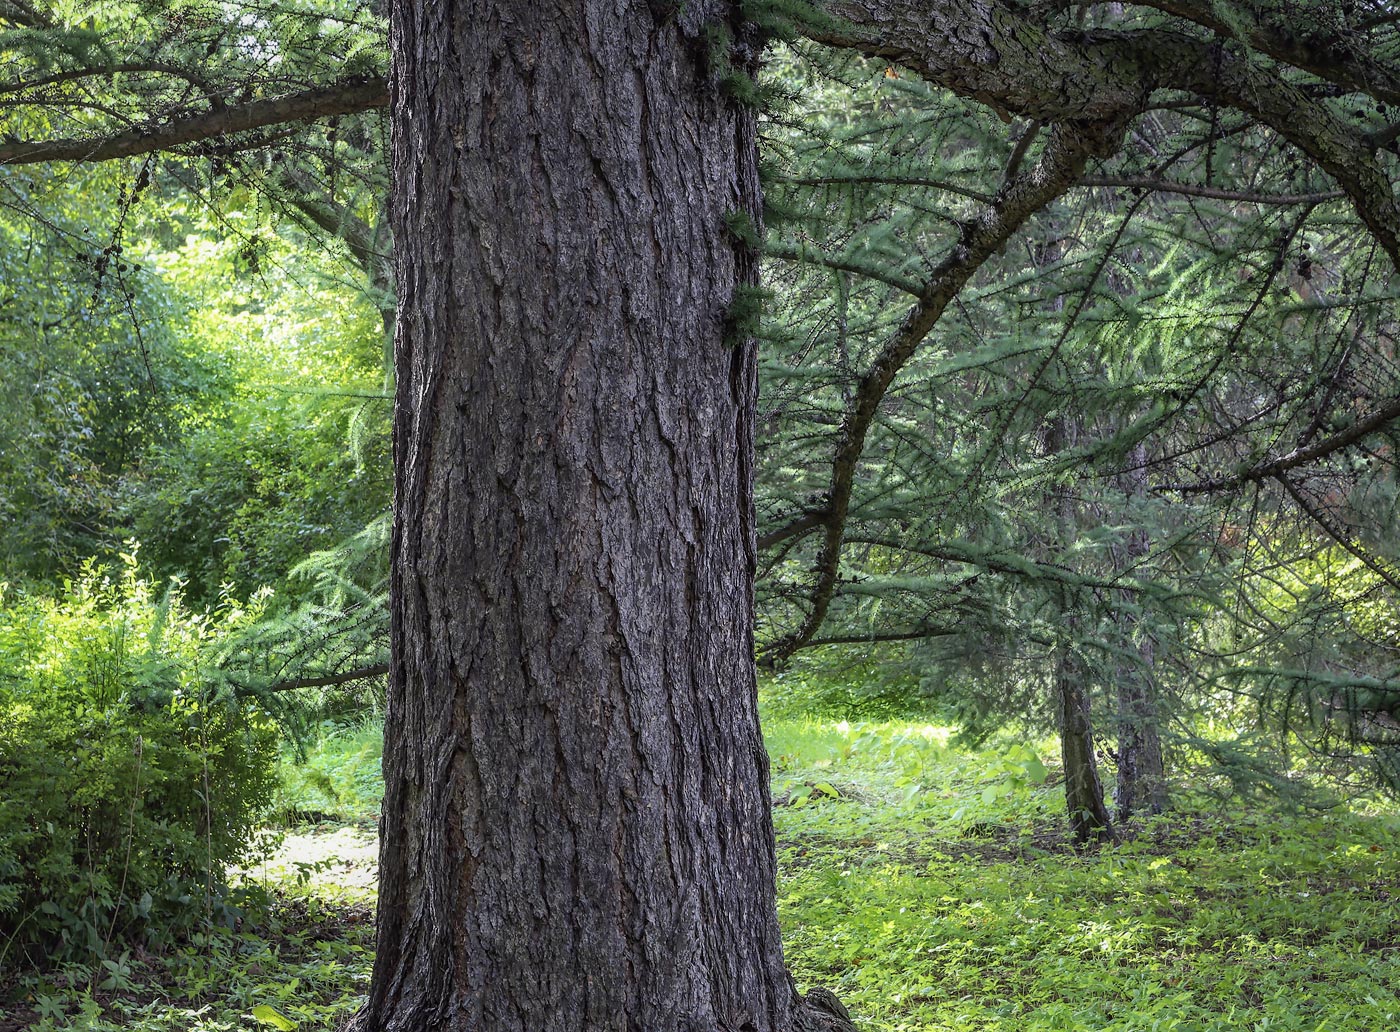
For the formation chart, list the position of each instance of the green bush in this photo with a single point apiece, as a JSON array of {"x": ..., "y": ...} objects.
[{"x": 128, "y": 782}]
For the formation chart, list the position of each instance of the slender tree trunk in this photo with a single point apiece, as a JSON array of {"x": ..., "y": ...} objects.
[
  {"x": 576, "y": 831},
  {"x": 1084, "y": 796},
  {"x": 1140, "y": 785}
]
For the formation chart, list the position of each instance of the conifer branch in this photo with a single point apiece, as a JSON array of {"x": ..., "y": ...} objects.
[
  {"x": 803, "y": 524},
  {"x": 918, "y": 634},
  {"x": 886, "y": 180},
  {"x": 128, "y": 68},
  {"x": 329, "y": 680},
  {"x": 814, "y": 256},
  {"x": 1334, "y": 53},
  {"x": 1004, "y": 58},
  {"x": 1066, "y": 152},
  {"x": 1153, "y": 185},
  {"x": 344, "y": 98},
  {"x": 24, "y": 14},
  {"x": 1336, "y": 534},
  {"x": 1274, "y": 468}
]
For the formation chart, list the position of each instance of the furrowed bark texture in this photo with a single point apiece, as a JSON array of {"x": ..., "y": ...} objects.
[{"x": 576, "y": 831}]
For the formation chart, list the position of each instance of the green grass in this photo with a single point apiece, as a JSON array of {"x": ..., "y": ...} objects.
[
  {"x": 930, "y": 887},
  {"x": 956, "y": 907}
]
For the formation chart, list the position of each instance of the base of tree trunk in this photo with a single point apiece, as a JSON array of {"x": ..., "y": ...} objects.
[{"x": 821, "y": 1011}]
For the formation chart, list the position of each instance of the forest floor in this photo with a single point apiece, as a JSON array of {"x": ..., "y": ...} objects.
[{"x": 930, "y": 887}]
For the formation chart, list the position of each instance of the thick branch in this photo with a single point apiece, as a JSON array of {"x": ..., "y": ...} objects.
[
  {"x": 999, "y": 56},
  {"x": 341, "y": 99},
  {"x": 22, "y": 13},
  {"x": 329, "y": 680},
  {"x": 1333, "y": 53},
  {"x": 988, "y": 52},
  {"x": 801, "y": 525}
]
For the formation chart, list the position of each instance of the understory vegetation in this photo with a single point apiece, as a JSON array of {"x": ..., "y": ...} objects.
[{"x": 932, "y": 886}]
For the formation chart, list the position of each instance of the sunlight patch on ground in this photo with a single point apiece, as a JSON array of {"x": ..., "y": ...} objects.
[{"x": 335, "y": 862}]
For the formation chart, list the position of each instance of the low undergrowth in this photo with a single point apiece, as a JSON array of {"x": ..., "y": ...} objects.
[{"x": 931, "y": 888}]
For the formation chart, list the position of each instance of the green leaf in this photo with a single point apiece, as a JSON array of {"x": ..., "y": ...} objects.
[
  {"x": 1035, "y": 771},
  {"x": 271, "y": 1016}
]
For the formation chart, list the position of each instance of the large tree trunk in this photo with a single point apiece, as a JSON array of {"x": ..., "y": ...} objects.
[{"x": 576, "y": 826}]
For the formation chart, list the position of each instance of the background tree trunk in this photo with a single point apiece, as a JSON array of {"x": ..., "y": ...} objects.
[
  {"x": 1084, "y": 798},
  {"x": 576, "y": 830},
  {"x": 1088, "y": 815},
  {"x": 1140, "y": 785}
]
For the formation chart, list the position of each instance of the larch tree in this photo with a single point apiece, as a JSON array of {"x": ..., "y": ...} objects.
[
  {"x": 576, "y": 829},
  {"x": 576, "y": 825}
]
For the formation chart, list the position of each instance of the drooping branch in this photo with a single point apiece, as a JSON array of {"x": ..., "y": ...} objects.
[
  {"x": 344, "y": 98},
  {"x": 24, "y": 14},
  {"x": 866, "y": 179},
  {"x": 1276, "y": 467},
  {"x": 1154, "y": 185},
  {"x": 1337, "y": 534},
  {"x": 106, "y": 71},
  {"x": 1309, "y": 40},
  {"x": 330, "y": 216},
  {"x": 801, "y": 252},
  {"x": 1180, "y": 62},
  {"x": 917, "y": 634},
  {"x": 1066, "y": 152}
]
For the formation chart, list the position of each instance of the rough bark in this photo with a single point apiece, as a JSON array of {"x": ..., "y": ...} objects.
[
  {"x": 1084, "y": 798},
  {"x": 576, "y": 831}
]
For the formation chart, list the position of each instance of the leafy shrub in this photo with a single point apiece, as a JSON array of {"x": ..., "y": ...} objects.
[{"x": 128, "y": 783}]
